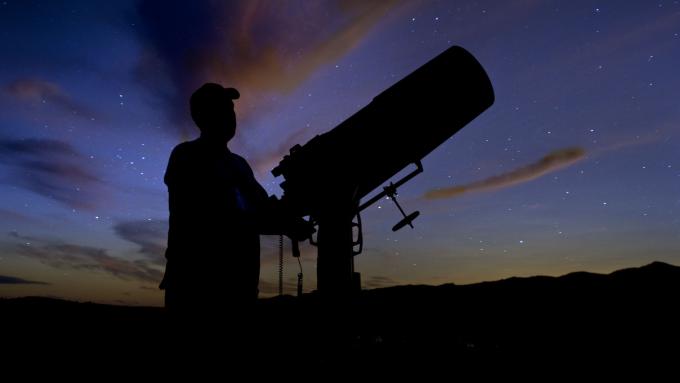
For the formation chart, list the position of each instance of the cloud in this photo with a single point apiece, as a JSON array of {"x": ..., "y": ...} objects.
[
  {"x": 39, "y": 91},
  {"x": 7, "y": 280},
  {"x": 554, "y": 161},
  {"x": 150, "y": 235},
  {"x": 69, "y": 256},
  {"x": 271, "y": 288},
  {"x": 267, "y": 161},
  {"x": 376, "y": 282},
  {"x": 51, "y": 168},
  {"x": 257, "y": 46},
  {"x": 7, "y": 215}
]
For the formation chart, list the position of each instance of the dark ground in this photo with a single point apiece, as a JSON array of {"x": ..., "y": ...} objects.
[{"x": 628, "y": 319}]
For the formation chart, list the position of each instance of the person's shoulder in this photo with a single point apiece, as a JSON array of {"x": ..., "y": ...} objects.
[
  {"x": 184, "y": 148},
  {"x": 181, "y": 159},
  {"x": 238, "y": 157},
  {"x": 241, "y": 162}
]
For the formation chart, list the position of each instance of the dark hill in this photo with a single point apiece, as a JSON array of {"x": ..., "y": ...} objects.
[{"x": 581, "y": 317}]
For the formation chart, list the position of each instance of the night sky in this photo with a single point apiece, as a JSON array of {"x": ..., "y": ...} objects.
[{"x": 575, "y": 166}]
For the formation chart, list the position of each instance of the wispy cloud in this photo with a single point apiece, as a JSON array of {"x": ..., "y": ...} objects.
[
  {"x": 8, "y": 215},
  {"x": 70, "y": 256},
  {"x": 149, "y": 235},
  {"x": 51, "y": 168},
  {"x": 260, "y": 47},
  {"x": 554, "y": 161},
  {"x": 270, "y": 288},
  {"x": 7, "y": 280},
  {"x": 38, "y": 91},
  {"x": 376, "y": 282}
]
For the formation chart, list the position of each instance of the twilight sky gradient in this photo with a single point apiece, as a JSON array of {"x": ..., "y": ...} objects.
[{"x": 575, "y": 167}]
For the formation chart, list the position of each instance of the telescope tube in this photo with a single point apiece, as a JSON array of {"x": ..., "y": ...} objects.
[
  {"x": 398, "y": 127},
  {"x": 327, "y": 177}
]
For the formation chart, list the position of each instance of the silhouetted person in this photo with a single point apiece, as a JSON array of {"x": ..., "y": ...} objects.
[{"x": 217, "y": 212}]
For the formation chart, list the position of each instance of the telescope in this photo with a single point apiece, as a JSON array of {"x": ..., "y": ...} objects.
[{"x": 327, "y": 178}]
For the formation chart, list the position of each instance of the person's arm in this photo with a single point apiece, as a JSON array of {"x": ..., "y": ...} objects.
[
  {"x": 271, "y": 216},
  {"x": 179, "y": 199},
  {"x": 170, "y": 180}
]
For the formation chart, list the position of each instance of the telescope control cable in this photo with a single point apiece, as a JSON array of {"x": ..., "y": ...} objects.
[
  {"x": 280, "y": 264},
  {"x": 296, "y": 254}
]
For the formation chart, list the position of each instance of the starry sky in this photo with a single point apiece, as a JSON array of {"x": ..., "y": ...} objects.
[{"x": 575, "y": 166}]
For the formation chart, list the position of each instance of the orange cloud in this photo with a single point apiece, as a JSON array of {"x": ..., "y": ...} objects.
[
  {"x": 294, "y": 47},
  {"x": 258, "y": 47},
  {"x": 554, "y": 161},
  {"x": 36, "y": 91}
]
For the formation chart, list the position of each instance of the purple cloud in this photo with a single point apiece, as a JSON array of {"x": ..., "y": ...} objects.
[{"x": 51, "y": 168}]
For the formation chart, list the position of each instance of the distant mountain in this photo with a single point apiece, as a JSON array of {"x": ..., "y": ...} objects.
[{"x": 630, "y": 314}]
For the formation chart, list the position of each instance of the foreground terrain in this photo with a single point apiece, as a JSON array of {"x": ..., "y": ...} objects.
[{"x": 579, "y": 319}]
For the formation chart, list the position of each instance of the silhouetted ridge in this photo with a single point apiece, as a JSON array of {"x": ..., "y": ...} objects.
[
  {"x": 651, "y": 271},
  {"x": 627, "y": 314}
]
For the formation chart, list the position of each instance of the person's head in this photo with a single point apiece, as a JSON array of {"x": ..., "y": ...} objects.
[{"x": 212, "y": 109}]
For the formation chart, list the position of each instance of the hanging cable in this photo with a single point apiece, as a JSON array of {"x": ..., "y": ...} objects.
[
  {"x": 296, "y": 254},
  {"x": 280, "y": 264},
  {"x": 299, "y": 281}
]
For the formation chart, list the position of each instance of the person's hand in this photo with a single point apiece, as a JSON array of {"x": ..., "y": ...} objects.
[{"x": 300, "y": 230}]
